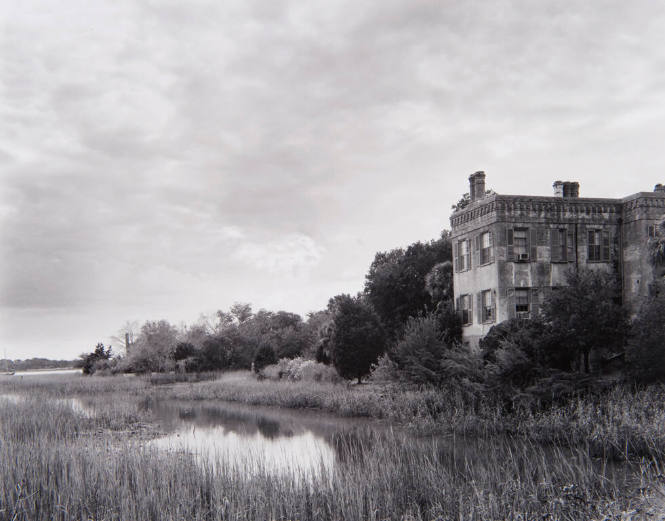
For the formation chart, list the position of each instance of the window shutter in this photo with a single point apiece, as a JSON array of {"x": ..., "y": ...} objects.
[
  {"x": 606, "y": 246},
  {"x": 570, "y": 243},
  {"x": 456, "y": 256},
  {"x": 534, "y": 304},
  {"x": 470, "y": 309},
  {"x": 555, "y": 246},
  {"x": 510, "y": 297},
  {"x": 493, "y": 295},
  {"x": 491, "y": 236},
  {"x": 510, "y": 251},
  {"x": 476, "y": 250},
  {"x": 533, "y": 242},
  {"x": 479, "y": 306},
  {"x": 458, "y": 307}
]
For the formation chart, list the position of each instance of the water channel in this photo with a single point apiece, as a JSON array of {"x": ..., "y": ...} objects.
[
  {"x": 282, "y": 442},
  {"x": 302, "y": 443}
]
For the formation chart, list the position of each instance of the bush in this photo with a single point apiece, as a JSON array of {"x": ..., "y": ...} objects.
[
  {"x": 300, "y": 370},
  {"x": 265, "y": 355},
  {"x": 646, "y": 352},
  {"x": 91, "y": 362},
  {"x": 385, "y": 370},
  {"x": 419, "y": 353}
]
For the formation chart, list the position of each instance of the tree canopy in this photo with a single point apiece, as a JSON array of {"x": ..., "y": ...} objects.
[
  {"x": 396, "y": 282},
  {"x": 586, "y": 315},
  {"x": 357, "y": 338}
]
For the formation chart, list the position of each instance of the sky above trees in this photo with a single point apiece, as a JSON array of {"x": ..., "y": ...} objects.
[{"x": 163, "y": 159}]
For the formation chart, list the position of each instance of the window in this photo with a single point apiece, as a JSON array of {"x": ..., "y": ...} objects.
[
  {"x": 486, "y": 248},
  {"x": 652, "y": 231},
  {"x": 559, "y": 245},
  {"x": 521, "y": 243},
  {"x": 598, "y": 246},
  {"x": 521, "y": 302},
  {"x": 463, "y": 255},
  {"x": 465, "y": 309},
  {"x": 487, "y": 309}
]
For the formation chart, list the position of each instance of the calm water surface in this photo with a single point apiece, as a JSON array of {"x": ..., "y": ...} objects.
[{"x": 278, "y": 441}]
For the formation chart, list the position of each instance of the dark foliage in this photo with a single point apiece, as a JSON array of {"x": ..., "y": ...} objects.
[
  {"x": 265, "y": 355},
  {"x": 646, "y": 347},
  {"x": 395, "y": 284},
  {"x": 357, "y": 338},
  {"x": 90, "y": 361},
  {"x": 585, "y": 316},
  {"x": 183, "y": 350}
]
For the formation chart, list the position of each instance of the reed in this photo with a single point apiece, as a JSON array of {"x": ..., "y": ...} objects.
[
  {"x": 56, "y": 467},
  {"x": 622, "y": 423}
]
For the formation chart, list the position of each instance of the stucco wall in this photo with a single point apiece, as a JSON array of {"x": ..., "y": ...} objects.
[{"x": 626, "y": 221}]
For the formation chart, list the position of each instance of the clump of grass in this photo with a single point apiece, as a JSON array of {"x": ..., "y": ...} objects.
[{"x": 61, "y": 474}]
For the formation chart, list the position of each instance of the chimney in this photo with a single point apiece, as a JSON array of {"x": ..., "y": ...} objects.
[
  {"x": 477, "y": 185},
  {"x": 575, "y": 190},
  {"x": 659, "y": 188},
  {"x": 571, "y": 189},
  {"x": 558, "y": 188}
]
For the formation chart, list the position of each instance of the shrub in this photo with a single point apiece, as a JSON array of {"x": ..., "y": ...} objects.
[
  {"x": 419, "y": 353},
  {"x": 646, "y": 352},
  {"x": 265, "y": 355},
  {"x": 357, "y": 338},
  {"x": 299, "y": 369},
  {"x": 91, "y": 361},
  {"x": 385, "y": 370}
]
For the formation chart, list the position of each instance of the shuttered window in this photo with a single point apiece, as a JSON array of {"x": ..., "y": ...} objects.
[
  {"x": 486, "y": 248},
  {"x": 521, "y": 244},
  {"x": 521, "y": 302},
  {"x": 487, "y": 306},
  {"x": 465, "y": 309},
  {"x": 559, "y": 246},
  {"x": 463, "y": 255},
  {"x": 598, "y": 246}
]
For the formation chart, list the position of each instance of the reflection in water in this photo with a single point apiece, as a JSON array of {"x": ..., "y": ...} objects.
[
  {"x": 75, "y": 404},
  {"x": 276, "y": 442}
]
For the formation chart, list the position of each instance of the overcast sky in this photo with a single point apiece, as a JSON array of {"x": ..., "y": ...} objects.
[{"x": 165, "y": 159}]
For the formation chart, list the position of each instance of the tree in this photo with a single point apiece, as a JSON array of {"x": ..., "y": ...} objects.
[
  {"x": 396, "y": 282},
  {"x": 241, "y": 311},
  {"x": 646, "y": 351},
  {"x": 127, "y": 335},
  {"x": 91, "y": 360},
  {"x": 439, "y": 282},
  {"x": 357, "y": 338},
  {"x": 585, "y": 316},
  {"x": 153, "y": 350},
  {"x": 265, "y": 355},
  {"x": 183, "y": 350},
  {"x": 657, "y": 245}
]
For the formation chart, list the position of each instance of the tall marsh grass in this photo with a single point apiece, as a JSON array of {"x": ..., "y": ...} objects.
[{"x": 52, "y": 468}]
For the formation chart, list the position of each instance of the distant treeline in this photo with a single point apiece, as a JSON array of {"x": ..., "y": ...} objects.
[{"x": 37, "y": 363}]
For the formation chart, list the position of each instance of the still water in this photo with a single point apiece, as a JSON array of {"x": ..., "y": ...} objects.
[
  {"x": 78, "y": 406},
  {"x": 282, "y": 442}
]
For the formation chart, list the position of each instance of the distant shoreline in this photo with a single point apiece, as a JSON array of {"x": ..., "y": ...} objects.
[{"x": 54, "y": 370}]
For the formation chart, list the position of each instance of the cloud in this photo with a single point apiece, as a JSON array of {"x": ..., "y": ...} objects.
[
  {"x": 181, "y": 155},
  {"x": 287, "y": 254}
]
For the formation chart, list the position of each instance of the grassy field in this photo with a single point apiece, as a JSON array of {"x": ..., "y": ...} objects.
[{"x": 58, "y": 463}]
